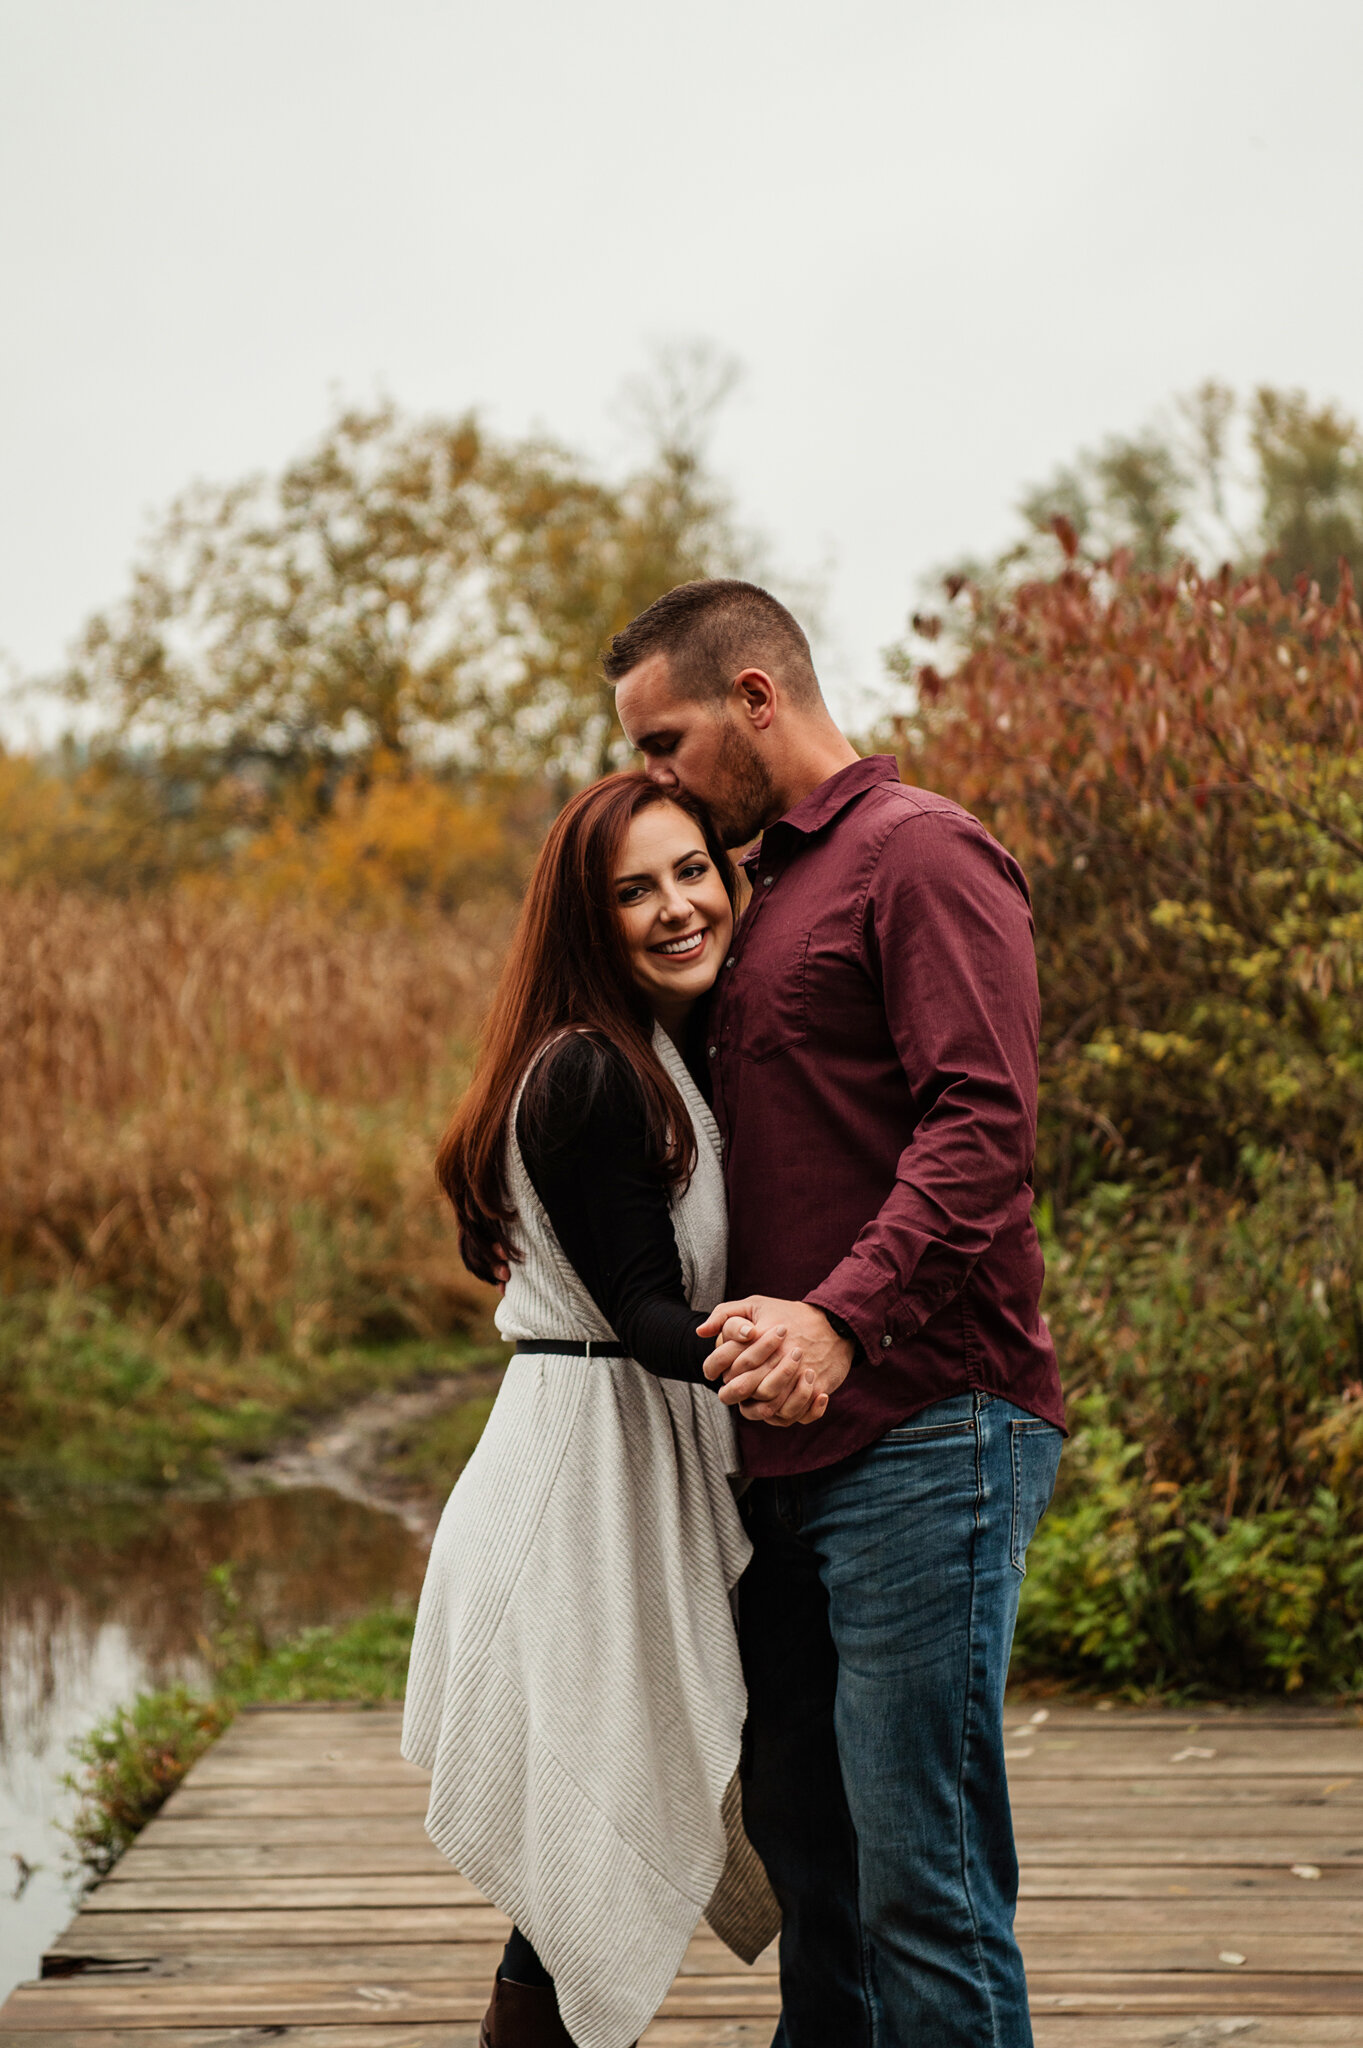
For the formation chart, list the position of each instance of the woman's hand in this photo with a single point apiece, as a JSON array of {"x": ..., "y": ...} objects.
[{"x": 763, "y": 1368}]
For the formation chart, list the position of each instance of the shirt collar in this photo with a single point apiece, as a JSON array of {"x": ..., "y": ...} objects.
[{"x": 832, "y": 797}]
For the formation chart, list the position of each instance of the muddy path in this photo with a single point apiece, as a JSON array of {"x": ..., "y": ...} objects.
[{"x": 349, "y": 1453}]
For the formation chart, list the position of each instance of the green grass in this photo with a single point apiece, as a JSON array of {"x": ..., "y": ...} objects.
[
  {"x": 93, "y": 1403},
  {"x": 432, "y": 1454},
  {"x": 132, "y": 1760}
]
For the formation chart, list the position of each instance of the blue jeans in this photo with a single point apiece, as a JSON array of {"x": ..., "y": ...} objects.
[{"x": 876, "y": 1620}]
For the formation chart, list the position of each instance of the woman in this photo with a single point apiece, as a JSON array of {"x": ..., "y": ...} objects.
[{"x": 575, "y": 1686}]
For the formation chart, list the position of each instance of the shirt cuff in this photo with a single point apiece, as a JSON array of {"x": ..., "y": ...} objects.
[{"x": 842, "y": 1328}]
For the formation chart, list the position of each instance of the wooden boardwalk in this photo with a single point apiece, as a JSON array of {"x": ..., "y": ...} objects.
[{"x": 1186, "y": 1882}]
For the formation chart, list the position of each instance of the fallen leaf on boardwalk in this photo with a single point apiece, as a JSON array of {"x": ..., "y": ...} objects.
[
  {"x": 1016, "y": 1755},
  {"x": 1181, "y": 1756},
  {"x": 1305, "y": 1870},
  {"x": 1230, "y": 1955},
  {"x": 1041, "y": 1714}
]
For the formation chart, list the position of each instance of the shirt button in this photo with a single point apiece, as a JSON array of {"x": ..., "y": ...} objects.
[
  {"x": 766, "y": 881},
  {"x": 886, "y": 1341},
  {"x": 712, "y": 1050},
  {"x": 730, "y": 961}
]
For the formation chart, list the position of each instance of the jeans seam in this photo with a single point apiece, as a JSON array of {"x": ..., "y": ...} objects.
[
  {"x": 966, "y": 1733},
  {"x": 864, "y": 1948},
  {"x": 1016, "y": 1466}
]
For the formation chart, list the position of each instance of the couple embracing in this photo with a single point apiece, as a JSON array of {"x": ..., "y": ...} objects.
[{"x": 718, "y": 1617}]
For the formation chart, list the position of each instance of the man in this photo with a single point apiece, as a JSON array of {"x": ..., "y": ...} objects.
[{"x": 872, "y": 1049}]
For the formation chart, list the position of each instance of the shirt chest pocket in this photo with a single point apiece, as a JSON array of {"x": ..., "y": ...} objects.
[{"x": 775, "y": 1007}]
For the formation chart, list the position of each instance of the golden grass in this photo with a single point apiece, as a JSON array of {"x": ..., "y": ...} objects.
[{"x": 226, "y": 1117}]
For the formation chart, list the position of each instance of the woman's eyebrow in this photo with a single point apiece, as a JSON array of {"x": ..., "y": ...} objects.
[{"x": 697, "y": 852}]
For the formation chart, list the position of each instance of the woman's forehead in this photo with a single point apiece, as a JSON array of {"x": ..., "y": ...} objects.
[{"x": 661, "y": 833}]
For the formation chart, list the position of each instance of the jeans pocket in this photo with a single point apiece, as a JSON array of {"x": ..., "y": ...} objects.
[{"x": 1035, "y": 1447}]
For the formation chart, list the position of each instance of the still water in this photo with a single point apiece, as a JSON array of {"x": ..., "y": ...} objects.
[{"x": 97, "y": 1605}]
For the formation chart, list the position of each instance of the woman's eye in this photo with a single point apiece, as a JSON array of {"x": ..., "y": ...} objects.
[{"x": 694, "y": 872}]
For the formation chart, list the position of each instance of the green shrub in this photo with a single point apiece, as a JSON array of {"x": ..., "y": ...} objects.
[
  {"x": 132, "y": 1761},
  {"x": 1207, "y": 1531}
]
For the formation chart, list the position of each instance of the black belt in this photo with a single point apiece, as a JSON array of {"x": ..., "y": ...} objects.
[{"x": 567, "y": 1347}]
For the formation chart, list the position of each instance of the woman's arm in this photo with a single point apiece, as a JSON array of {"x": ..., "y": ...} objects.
[{"x": 583, "y": 1138}]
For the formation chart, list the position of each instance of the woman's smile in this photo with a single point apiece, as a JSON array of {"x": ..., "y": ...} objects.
[{"x": 684, "y": 948}]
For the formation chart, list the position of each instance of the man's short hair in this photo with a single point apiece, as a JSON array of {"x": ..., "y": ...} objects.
[{"x": 710, "y": 632}]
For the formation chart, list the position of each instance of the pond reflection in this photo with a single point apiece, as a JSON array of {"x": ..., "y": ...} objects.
[{"x": 98, "y": 1602}]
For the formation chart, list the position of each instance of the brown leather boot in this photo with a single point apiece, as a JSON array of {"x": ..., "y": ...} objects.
[{"x": 523, "y": 2016}]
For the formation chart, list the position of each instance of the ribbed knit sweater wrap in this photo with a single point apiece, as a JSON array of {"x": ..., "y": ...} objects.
[{"x": 575, "y": 1687}]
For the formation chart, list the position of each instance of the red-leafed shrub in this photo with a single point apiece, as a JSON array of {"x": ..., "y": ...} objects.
[{"x": 1178, "y": 761}]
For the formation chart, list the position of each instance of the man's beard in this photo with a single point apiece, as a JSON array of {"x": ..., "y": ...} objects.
[{"x": 743, "y": 793}]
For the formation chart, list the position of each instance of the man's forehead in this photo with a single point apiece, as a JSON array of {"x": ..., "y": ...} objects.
[{"x": 646, "y": 701}]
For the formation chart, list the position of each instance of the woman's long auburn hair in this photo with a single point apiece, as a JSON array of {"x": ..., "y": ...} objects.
[{"x": 568, "y": 966}]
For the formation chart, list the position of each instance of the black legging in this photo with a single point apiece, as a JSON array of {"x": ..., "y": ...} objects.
[{"x": 520, "y": 1963}]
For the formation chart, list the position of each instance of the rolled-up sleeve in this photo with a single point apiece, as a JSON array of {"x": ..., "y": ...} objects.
[{"x": 947, "y": 928}]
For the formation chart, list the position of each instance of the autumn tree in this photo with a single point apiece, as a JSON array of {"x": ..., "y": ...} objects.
[
  {"x": 1218, "y": 480},
  {"x": 407, "y": 590}
]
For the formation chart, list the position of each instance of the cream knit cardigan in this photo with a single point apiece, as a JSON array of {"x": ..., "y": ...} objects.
[{"x": 575, "y": 1687}]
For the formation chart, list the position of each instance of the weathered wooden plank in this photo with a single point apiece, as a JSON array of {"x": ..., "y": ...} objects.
[
  {"x": 1237, "y": 1811},
  {"x": 1158, "y": 1951},
  {"x": 1137, "y": 1951},
  {"x": 358, "y": 1962},
  {"x": 302, "y": 1928},
  {"x": 459, "y": 2035},
  {"x": 1205, "y": 1993},
  {"x": 1038, "y": 1795},
  {"x": 283, "y": 1802},
  {"x": 1222, "y": 1920},
  {"x": 662, "y": 2034},
  {"x": 1325, "y": 1909},
  {"x": 1233, "y": 1852},
  {"x": 413, "y": 1856},
  {"x": 265, "y": 1962},
  {"x": 340, "y": 1773},
  {"x": 395, "y": 1799},
  {"x": 1053, "y": 2030},
  {"x": 248, "y": 1894},
  {"x": 1178, "y": 1755},
  {"x": 1077, "y": 1880},
  {"x": 1193, "y": 2030},
  {"x": 1046, "y": 1762},
  {"x": 342, "y": 1831},
  {"x": 126, "y": 2001},
  {"x": 1058, "y": 1714}
]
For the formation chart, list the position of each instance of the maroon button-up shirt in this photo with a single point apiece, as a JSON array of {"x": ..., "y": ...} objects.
[{"x": 873, "y": 1042}]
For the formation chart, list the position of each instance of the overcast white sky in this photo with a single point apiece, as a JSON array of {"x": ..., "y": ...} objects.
[{"x": 950, "y": 243}]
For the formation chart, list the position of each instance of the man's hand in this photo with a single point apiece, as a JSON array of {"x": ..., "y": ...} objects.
[{"x": 744, "y": 1330}]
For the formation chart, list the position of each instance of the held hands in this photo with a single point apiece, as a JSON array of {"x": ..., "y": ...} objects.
[{"x": 780, "y": 1360}]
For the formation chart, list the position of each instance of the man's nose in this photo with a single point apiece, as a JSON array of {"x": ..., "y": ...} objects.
[{"x": 659, "y": 772}]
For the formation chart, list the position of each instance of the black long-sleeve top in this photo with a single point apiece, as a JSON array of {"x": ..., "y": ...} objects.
[{"x": 583, "y": 1136}]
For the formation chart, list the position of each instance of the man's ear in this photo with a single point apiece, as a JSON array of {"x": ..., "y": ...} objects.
[{"x": 757, "y": 694}]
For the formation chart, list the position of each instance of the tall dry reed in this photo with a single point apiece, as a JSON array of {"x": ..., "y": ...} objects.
[{"x": 226, "y": 1118}]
